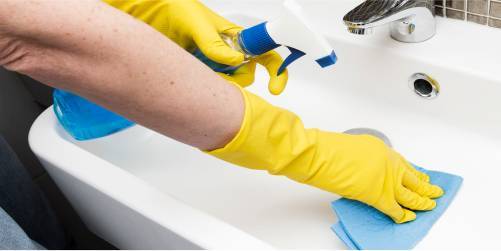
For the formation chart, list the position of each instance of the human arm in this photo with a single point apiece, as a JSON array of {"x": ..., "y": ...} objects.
[
  {"x": 91, "y": 49},
  {"x": 104, "y": 55}
]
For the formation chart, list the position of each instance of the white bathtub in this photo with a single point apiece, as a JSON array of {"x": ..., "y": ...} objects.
[{"x": 138, "y": 189}]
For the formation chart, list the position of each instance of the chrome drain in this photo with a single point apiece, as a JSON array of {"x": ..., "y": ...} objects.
[
  {"x": 424, "y": 86},
  {"x": 372, "y": 132}
]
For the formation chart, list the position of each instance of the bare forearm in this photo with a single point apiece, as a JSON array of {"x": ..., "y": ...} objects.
[{"x": 89, "y": 48}]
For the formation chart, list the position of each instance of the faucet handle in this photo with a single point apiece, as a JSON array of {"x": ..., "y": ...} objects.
[
  {"x": 416, "y": 28},
  {"x": 405, "y": 27}
]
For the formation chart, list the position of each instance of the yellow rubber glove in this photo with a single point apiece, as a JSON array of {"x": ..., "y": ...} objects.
[
  {"x": 192, "y": 25},
  {"x": 362, "y": 168}
]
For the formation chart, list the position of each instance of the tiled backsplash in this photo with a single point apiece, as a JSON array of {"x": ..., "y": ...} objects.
[{"x": 487, "y": 12}]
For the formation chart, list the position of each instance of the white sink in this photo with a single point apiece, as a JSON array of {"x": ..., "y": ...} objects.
[{"x": 138, "y": 189}]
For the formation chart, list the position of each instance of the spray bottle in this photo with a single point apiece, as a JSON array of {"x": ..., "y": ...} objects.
[
  {"x": 84, "y": 120},
  {"x": 292, "y": 30}
]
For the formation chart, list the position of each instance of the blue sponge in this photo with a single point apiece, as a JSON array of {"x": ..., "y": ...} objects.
[{"x": 362, "y": 227}]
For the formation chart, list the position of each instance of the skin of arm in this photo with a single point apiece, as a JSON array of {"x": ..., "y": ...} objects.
[{"x": 89, "y": 48}]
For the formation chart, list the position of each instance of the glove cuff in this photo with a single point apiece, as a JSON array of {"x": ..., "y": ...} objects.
[
  {"x": 271, "y": 139},
  {"x": 241, "y": 136}
]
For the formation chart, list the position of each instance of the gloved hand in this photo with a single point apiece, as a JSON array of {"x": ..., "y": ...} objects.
[
  {"x": 362, "y": 168},
  {"x": 190, "y": 24}
]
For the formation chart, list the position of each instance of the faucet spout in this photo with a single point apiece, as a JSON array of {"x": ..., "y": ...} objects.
[
  {"x": 360, "y": 31},
  {"x": 410, "y": 21}
]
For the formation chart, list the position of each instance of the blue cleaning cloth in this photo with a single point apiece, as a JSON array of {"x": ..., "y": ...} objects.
[{"x": 363, "y": 227}]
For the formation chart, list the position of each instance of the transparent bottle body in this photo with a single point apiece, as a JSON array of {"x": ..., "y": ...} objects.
[
  {"x": 234, "y": 43},
  {"x": 84, "y": 120}
]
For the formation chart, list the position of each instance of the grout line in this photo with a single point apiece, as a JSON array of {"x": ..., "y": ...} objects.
[
  {"x": 488, "y": 12},
  {"x": 472, "y": 13},
  {"x": 480, "y": 15},
  {"x": 466, "y": 10},
  {"x": 449, "y": 8},
  {"x": 445, "y": 6}
]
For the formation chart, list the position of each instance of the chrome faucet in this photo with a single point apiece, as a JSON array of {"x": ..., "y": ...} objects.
[{"x": 411, "y": 21}]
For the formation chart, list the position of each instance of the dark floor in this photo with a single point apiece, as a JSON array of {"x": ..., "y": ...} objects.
[{"x": 21, "y": 101}]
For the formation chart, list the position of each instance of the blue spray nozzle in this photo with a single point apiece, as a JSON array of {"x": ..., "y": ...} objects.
[
  {"x": 256, "y": 40},
  {"x": 295, "y": 55},
  {"x": 327, "y": 60},
  {"x": 324, "y": 62}
]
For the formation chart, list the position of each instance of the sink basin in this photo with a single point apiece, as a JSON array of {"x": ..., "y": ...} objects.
[{"x": 141, "y": 190}]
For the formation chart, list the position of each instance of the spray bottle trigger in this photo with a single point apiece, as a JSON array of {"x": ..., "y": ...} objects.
[{"x": 295, "y": 55}]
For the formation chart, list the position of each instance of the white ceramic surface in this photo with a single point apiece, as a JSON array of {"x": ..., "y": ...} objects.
[{"x": 138, "y": 189}]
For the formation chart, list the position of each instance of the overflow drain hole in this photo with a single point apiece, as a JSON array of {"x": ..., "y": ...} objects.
[{"x": 424, "y": 86}]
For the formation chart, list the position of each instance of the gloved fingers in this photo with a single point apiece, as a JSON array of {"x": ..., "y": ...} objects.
[
  {"x": 272, "y": 62},
  {"x": 422, "y": 176},
  {"x": 231, "y": 31},
  {"x": 224, "y": 26},
  {"x": 212, "y": 45},
  {"x": 396, "y": 212},
  {"x": 408, "y": 216},
  {"x": 414, "y": 201},
  {"x": 243, "y": 76},
  {"x": 228, "y": 28},
  {"x": 413, "y": 183}
]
